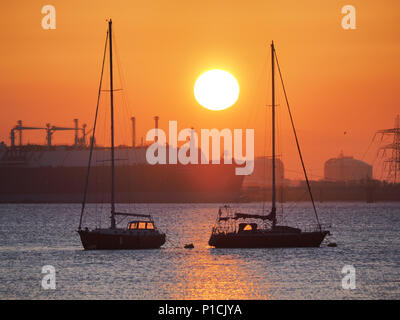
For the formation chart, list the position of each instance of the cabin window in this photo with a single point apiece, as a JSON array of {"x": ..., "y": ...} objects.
[
  {"x": 142, "y": 225},
  {"x": 133, "y": 225},
  {"x": 248, "y": 227},
  {"x": 150, "y": 225}
]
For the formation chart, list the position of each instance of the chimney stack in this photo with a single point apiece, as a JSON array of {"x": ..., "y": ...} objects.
[
  {"x": 49, "y": 133},
  {"x": 12, "y": 137},
  {"x": 133, "y": 132},
  {"x": 19, "y": 125},
  {"x": 156, "y": 118},
  {"x": 84, "y": 135},
  {"x": 76, "y": 132}
]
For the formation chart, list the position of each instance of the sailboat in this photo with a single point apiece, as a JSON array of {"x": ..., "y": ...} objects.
[
  {"x": 139, "y": 233},
  {"x": 231, "y": 229}
]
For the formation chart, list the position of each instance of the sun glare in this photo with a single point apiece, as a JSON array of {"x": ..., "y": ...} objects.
[{"x": 216, "y": 90}]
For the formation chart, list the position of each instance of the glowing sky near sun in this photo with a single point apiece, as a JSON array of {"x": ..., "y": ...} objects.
[{"x": 337, "y": 80}]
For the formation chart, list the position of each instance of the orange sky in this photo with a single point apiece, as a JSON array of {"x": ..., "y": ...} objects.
[{"x": 337, "y": 80}]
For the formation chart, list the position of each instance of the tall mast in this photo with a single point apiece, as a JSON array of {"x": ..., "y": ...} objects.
[
  {"x": 273, "y": 210},
  {"x": 112, "y": 130}
]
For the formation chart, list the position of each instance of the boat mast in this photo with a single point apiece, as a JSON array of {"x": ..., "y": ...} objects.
[
  {"x": 273, "y": 210},
  {"x": 113, "y": 224}
]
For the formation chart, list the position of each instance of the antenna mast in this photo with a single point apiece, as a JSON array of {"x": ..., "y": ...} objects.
[
  {"x": 273, "y": 209},
  {"x": 113, "y": 224}
]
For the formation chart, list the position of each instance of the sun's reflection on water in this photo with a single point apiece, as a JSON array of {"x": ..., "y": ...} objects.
[{"x": 218, "y": 274}]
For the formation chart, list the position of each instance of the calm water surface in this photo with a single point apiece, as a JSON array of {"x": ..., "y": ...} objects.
[{"x": 34, "y": 235}]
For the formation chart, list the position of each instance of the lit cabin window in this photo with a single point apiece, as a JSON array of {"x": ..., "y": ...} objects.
[
  {"x": 142, "y": 225},
  {"x": 247, "y": 228},
  {"x": 133, "y": 226},
  {"x": 150, "y": 225}
]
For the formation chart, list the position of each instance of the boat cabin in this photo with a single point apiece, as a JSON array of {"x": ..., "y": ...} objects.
[
  {"x": 247, "y": 227},
  {"x": 141, "y": 225}
]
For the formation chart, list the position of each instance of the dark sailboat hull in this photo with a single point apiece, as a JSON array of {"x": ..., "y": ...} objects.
[
  {"x": 267, "y": 240},
  {"x": 92, "y": 240}
]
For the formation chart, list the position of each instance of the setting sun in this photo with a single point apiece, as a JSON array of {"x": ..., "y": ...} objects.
[{"x": 216, "y": 90}]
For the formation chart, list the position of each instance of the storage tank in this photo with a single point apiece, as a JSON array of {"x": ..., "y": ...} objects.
[
  {"x": 262, "y": 174},
  {"x": 345, "y": 168}
]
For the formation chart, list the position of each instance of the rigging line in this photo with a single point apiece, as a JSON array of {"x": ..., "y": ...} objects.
[
  {"x": 125, "y": 102},
  {"x": 252, "y": 117},
  {"x": 112, "y": 217},
  {"x": 264, "y": 161},
  {"x": 297, "y": 141},
  {"x": 92, "y": 140},
  {"x": 369, "y": 146},
  {"x": 280, "y": 147},
  {"x": 311, "y": 174},
  {"x": 264, "y": 194},
  {"x": 127, "y": 110}
]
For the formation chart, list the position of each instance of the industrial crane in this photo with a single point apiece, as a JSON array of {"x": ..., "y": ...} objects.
[
  {"x": 49, "y": 132},
  {"x": 51, "y": 129},
  {"x": 19, "y": 127}
]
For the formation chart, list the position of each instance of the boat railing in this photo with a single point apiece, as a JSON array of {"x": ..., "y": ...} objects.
[
  {"x": 221, "y": 230},
  {"x": 226, "y": 228},
  {"x": 315, "y": 227},
  {"x": 132, "y": 214}
]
